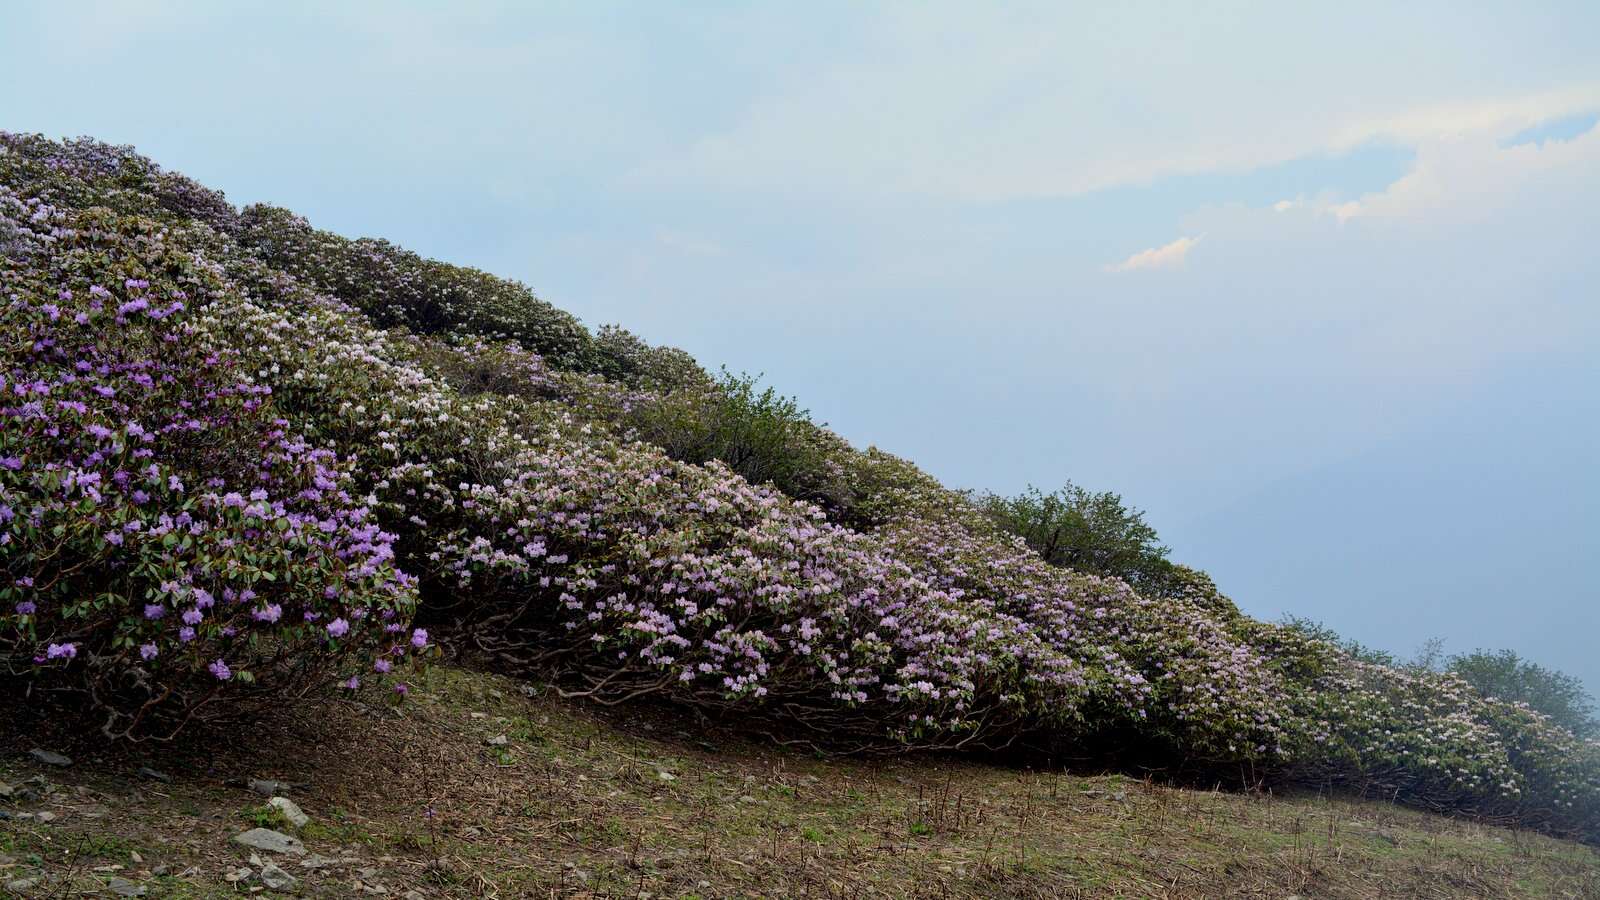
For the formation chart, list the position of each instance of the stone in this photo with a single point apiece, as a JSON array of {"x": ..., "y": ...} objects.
[
  {"x": 276, "y": 878},
  {"x": 45, "y": 817},
  {"x": 5, "y": 791},
  {"x": 498, "y": 740},
  {"x": 122, "y": 887},
  {"x": 153, "y": 775},
  {"x": 270, "y": 841},
  {"x": 21, "y": 884},
  {"x": 291, "y": 812},
  {"x": 237, "y": 875},
  {"x": 667, "y": 776},
  {"x": 317, "y": 861},
  {"x": 50, "y": 759},
  {"x": 268, "y": 787}
]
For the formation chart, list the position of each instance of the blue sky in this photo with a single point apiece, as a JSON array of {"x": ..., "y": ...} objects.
[{"x": 1314, "y": 287}]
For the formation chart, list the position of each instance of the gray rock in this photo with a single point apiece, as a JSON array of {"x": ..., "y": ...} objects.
[
  {"x": 122, "y": 887},
  {"x": 21, "y": 884},
  {"x": 267, "y": 787},
  {"x": 270, "y": 841},
  {"x": 153, "y": 775},
  {"x": 291, "y": 812},
  {"x": 498, "y": 740},
  {"x": 50, "y": 759},
  {"x": 5, "y": 791},
  {"x": 237, "y": 875},
  {"x": 276, "y": 878}
]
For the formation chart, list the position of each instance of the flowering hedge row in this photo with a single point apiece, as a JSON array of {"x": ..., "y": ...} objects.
[{"x": 262, "y": 422}]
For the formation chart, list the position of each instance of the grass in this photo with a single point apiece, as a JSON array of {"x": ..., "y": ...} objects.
[{"x": 575, "y": 805}]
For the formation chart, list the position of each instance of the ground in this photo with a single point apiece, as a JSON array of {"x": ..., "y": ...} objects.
[{"x": 422, "y": 800}]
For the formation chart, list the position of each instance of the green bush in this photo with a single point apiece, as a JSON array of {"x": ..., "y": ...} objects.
[{"x": 1094, "y": 533}]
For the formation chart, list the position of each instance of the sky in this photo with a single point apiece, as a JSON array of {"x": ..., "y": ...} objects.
[{"x": 1312, "y": 285}]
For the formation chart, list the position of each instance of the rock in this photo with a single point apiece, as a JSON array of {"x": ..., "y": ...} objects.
[
  {"x": 291, "y": 812},
  {"x": 122, "y": 887},
  {"x": 5, "y": 791},
  {"x": 153, "y": 775},
  {"x": 270, "y": 841},
  {"x": 50, "y": 759},
  {"x": 317, "y": 861},
  {"x": 480, "y": 715},
  {"x": 267, "y": 787},
  {"x": 498, "y": 740},
  {"x": 45, "y": 817},
  {"x": 237, "y": 875},
  {"x": 135, "y": 858},
  {"x": 667, "y": 776},
  {"x": 25, "y": 795},
  {"x": 19, "y": 885},
  {"x": 276, "y": 878}
]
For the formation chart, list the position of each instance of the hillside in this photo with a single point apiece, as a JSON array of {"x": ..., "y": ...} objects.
[
  {"x": 251, "y": 469},
  {"x": 575, "y": 804}
]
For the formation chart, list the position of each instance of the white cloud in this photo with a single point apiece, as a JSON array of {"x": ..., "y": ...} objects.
[{"x": 1164, "y": 257}]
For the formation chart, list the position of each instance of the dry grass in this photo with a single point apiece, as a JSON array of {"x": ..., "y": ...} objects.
[{"x": 575, "y": 805}]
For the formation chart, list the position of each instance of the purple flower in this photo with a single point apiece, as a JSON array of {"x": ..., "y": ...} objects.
[
  {"x": 61, "y": 651},
  {"x": 193, "y": 616},
  {"x": 419, "y": 638},
  {"x": 186, "y": 634},
  {"x": 382, "y": 667},
  {"x": 148, "y": 651},
  {"x": 338, "y": 628},
  {"x": 271, "y": 614},
  {"x": 153, "y": 611},
  {"x": 26, "y": 608},
  {"x": 114, "y": 537},
  {"x": 10, "y": 462},
  {"x": 352, "y": 684},
  {"x": 221, "y": 670},
  {"x": 402, "y": 689}
]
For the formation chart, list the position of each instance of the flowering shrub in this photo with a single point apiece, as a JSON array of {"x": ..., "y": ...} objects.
[
  {"x": 170, "y": 546},
  {"x": 217, "y": 463},
  {"x": 398, "y": 287}
]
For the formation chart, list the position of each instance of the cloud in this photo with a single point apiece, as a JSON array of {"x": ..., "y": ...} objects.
[{"x": 1163, "y": 257}]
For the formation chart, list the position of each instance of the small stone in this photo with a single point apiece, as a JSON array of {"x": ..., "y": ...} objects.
[
  {"x": 480, "y": 715},
  {"x": 317, "y": 861},
  {"x": 270, "y": 841},
  {"x": 44, "y": 817},
  {"x": 238, "y": 875},
  {"x": 667, "y": 776},
  {"x": 268, "y": 787},
  {"x": 161, "y": 870},
  {"x": 153, "y": 775},
  {"x": 291, "y": 812},
  {"x": 498, "y": 740},
  {"x": 50, "y": 759},
  {"x": 415, "y": 894},
  {"x": 135, "y": 858},
  {"x": 5, "y": 791},
  {"x": 747, "y": 799},
  {"x": 276, "y": 878},
  {"x": 122, "y": 887},
  {"x": 21, "y": 884}
]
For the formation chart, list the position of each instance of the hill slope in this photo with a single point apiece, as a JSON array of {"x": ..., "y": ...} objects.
[
  {"x": 246, "y": 465},
  {"x": 575, "y": 804}
]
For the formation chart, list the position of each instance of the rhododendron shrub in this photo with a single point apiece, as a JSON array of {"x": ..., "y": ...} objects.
[
  {"x": 293, "y": 421},
  {"x": 169, "y": 546},
  {"x": 397, "y": 287}
]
